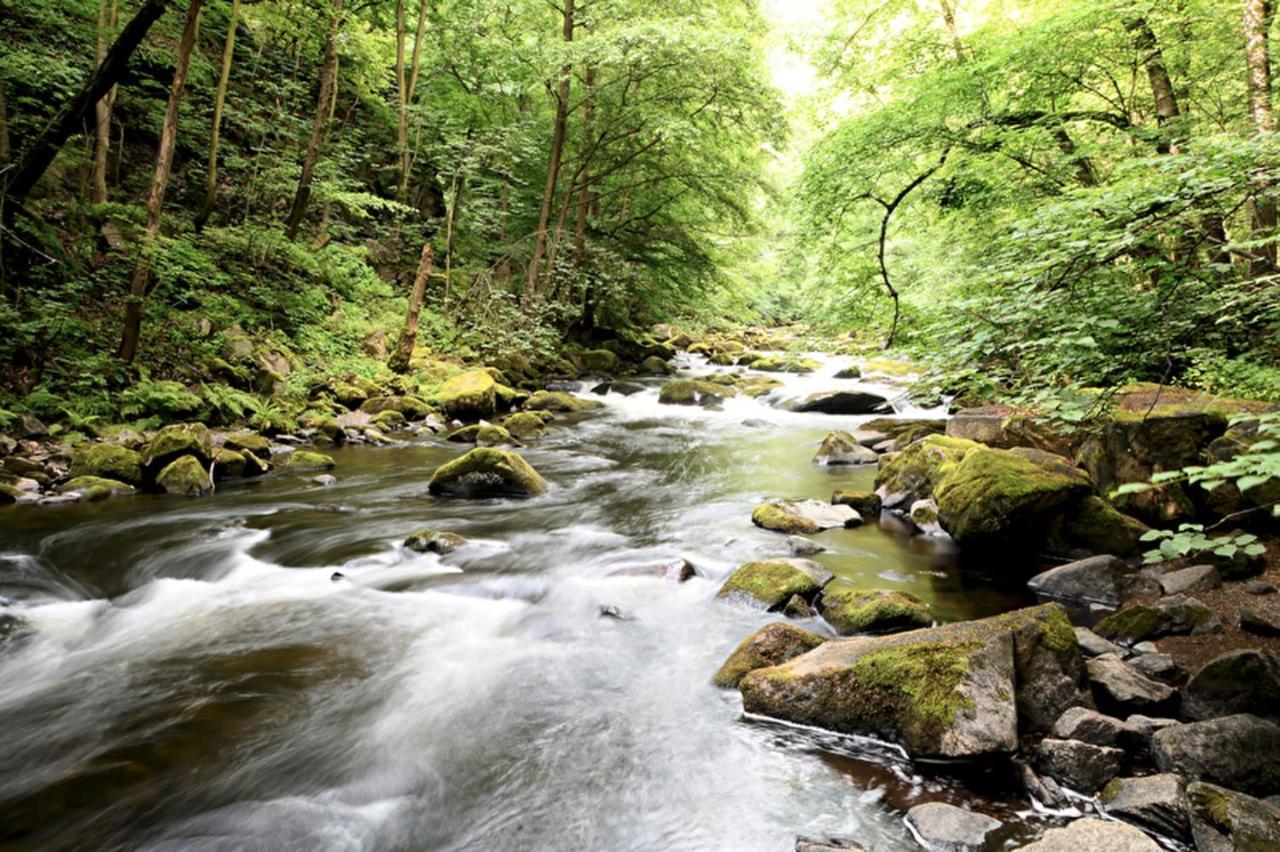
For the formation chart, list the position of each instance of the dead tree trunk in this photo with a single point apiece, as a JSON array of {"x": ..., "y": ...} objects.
[{"x": 404, "y": 349}]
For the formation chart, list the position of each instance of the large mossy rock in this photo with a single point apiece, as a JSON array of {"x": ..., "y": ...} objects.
[
  {"x": 961, "y": 690},
  {"x": 1092, "y": 525},
  {"x": 173, "y": 442},
  {"x": 1177, "y": 615},
  {"x": 249, "y": 442},
  {"x": 803, "y": 517},
  {"x": 600, "y": 361},
  {"x": 469, "y": 396},
  {"x": 108, "y": 461},
  {"x": 1223, "y": 820},
  {"x": 785, "y": 364},
  {"x": 693, "y": 392},
  {"x": 306, "y": 460},
  {"x": 526, "y": 425},
  {"x": 771, "y": 584},
  {"x": 1246, "y": 680},
  {"x": 771, "y": 645},
  {"x": 914, "y": 473},
  {"x": 487, "y": 472},
  {"x": 483, "y": 435},
  {"x": 95, "y": 487},
  {"x": 852, "y": 611},
  {"x": 1005, "y": 427},
  {"x": 184, "y": 475},
  {"x": 1006, "y": 497},
  {"x": 560, "y": 401}
]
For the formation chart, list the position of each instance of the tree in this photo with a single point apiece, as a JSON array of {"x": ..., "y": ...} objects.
[
  {"x": 1258, "y": 16},
  {"x": 404, "y": 349},
  {"x": 319, "y": 125},
  {"x": 102, "y": 109},
  {"x": 140, "y": 283},
  {"x": 219, "y": 101}
]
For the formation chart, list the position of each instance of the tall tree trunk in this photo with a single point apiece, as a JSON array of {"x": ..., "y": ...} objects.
[
  {"x": 406, "y": 88},
  {"x": 1258, "y": 15},
  {"x": 77, "y": 111},
  {"x": 320, "y": 126},
  {"x": 584, "y": 186},
  {"x": 404, "y": 349},
  {"x": 949, "y": 18},
  {"x": 1166, "y": 97},
  {"x": 140, "y": 283},
  {"x": 102, "y": 109},
  {"x": 553, "y": 167},
  {"x": 451, "y": 231},
  {"x": 219, "y": 101},
  {"x": 4, "y": 128}
]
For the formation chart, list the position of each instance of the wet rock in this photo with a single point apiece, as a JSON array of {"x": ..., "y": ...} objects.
[
  {"x": 803, "y": 516},
  {"x": 184, "y": 475},
  {"x": 1196, "y": 578},
  {"x": 903, "y": 430},
  {"x": 924, "y": 514},
  {"x": 1227, "y": 821},
  {"x": 434, "y": 541},
  {"x": 1238, "y": 752},
  {"x": 850, "y": 372},
  {"x": 1091, "y": 834},
  {"x": 769, "y": 646},
  {"x": 324, "y": 480},
  {"x": 959, "y": 690},
  {"x": 1094, "y": 645},
  {"x": 912, "y": 474},
  {"x": 1260, "y": 619},
  {"x": 487, "y": 472},
  {"x": 1173, "y": 616},
  {"x": 526, "y": 425},
  {"x": 471, "y": 395},
  {"x": 770, "y": 584},
  {"x": 801, "y": 546},
  {"x": 799, "y": 608},
  {"x": 178, "y": 440},
  {"x": 625, "y": 388},
  {"x": 655, "y": 366},
  {"x": 947, "y": 828},
  {"x": 1119, "y": 688},
  {"x": 1155, "y": 803},
  {"x": 95, "y": 487},
  {"x": 560, "y": 402},
  {"x": 483, "y": 435},
  {"x": 756, "y": 423},
  {"x": 1080, "y": 766},
  {"x": 841, "y": 448},
  {"x": 1098, "y": 579},
  {"x": 600, "y": 361},
  {"x": 841, "y": 402},
  {"x": 1090, "y": 726},
  {"x": 1242, "y": 681},
  {"x": 108, "y": 461},
  {"x": 865, "y": 503},
  {"x": 805, "y": 844},
  {"x": 303, "y": 460},
  {"x": 614, "y": 612},
  {"x": 693, "y": 392},
  {"x": 852, "y": 611},
  {"x": 676, "y": 570},
  {"x": 249, "y": 443}
]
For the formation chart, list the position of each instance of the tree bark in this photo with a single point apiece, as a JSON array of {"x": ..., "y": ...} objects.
[
  {"x": 1166, "y": 98},
  {"x": 219, "y": 101},
  {"x": 553, "y": 167},
  {"x": 404, "y": 350},
  {"x": 949, "y": 18},
  {"x": 1258, "y": 15},
  {"x": 102, "y": 109},
  {"x": 74, "y": 115},
  {"x": 320, "y": 126},
  {"x": 139, "y": 285},
  {"x": 4, "y": 128},
  {"x": 406, "y": 86}
]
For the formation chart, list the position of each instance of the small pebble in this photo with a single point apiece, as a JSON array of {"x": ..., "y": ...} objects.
[
  {"x": 336, "y": 576},
  {"x": 325, "y": 480}
]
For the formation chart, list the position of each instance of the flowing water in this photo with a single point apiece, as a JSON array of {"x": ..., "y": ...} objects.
[{"x": 195, "y": 677}]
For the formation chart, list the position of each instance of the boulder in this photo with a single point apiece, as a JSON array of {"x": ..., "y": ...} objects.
[
  {"x": 434, "y": 541},
  {"x": 1226, "y": 821},
  {"x": 840, "y": 448},
  {"x": 785, "y": 364},
  {"x": 1238, "y": 752},
  {"x": 95, "y": 487},
  {"x": 803, "y": 516},
  {"x": 850, "y": 372},
  {"x": 487, "y": 472},
  {"x": 1119, "y": 688},
  {"x": 852, "y": 611},
  {"x": 1242, "y": 681},
  {"x": 1003, "y": 427},
  {"x": 600, "y": 361},
  {"x": 1173, "y": 616},
  {"x": 693, "y": 392},
  {"x": 1090, "y": 726},
  {"x": 903, "y": 430},
  {"x": 560, "y": 401},
  {"x": 1153, "y": 664},
  {"x": 108, "y": 461},
  {"x": 1080, "y": 766},
  {"x": 525, "y": 425},
  {"x": 173, "y": 442},
  {"x": 1154, "y": 803},
  {"x": 840, "y": 402},
  {"x": 1104, "y": 580},
  {"x": 1260, "y": 619},
  {"x": 1094, "y": 645},
  {"x": 184, "y": 475},
  {"x": 483, "y": 435},
  {"x": 1092, "y": 525},
  {"x": 865, "y": 503},
  {"x": 1004, "y": 498},
  {"x": 471, "y": 395},
  {"x": 305, "y": 460},
  {"x": 655, "y": 366},
  {"x": 959, "y": 690},
  {"x": 770, "y": 584},
  {"x": 769, "y": 646},
  {"x": 912, "y": 474},
  {"x": 801, "y": 546},
  {"x": 1196, "y": 578},
  {"x": 249, "y": 442},
  {"x": 947, "y": 828},
  {"x": 28, "y": 427},
  {"x": 1089, "y": 834},
  {"x": 228, "y": 464}
]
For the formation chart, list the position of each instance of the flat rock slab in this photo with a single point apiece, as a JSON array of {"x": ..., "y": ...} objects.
[
  {"x": 1090, "y": 834},
  {"x": 803, "y": 517},
  {"x": 947, "y": 828},
  {"x": 1156, "y": 803},
  {"x": 1119, "y": 687}
]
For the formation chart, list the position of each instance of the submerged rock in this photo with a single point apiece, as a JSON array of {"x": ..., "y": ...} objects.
[
  {"x": 487, "y": 472},
  {"x": 947, "y": 828},
  {"x": 803, "y": 516},
  {"x": 840, "y": 448},
  {"x": 841, "y": 402},
  {"x": 770, "y": 584},
  {"x": 677, "y": 570},
  {"x": 852, "y": 611},
  {"x": 801, "y": 546},
  {"x": 1238, "y": 752},
  {"x": 770, "y": 645},
  {"x": 434, "y": 541}
]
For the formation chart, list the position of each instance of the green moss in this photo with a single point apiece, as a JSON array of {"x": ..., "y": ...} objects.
[
  {"x": 1133, "y": 623},
  {"x": 691, "y": 391},
  {"x": 95, "y": 487},
  {"x": 768, "y": 646},
  {"x": 389, "y": 419},
  {"x": 471, "y": 395},
  {"x": 918, "y": 468},
  {"x": 9, "y": 494},
  {"x": 1095, "y": 525},
  {"x": 484, "y": 435},
  {"x": 525, "y": 425},
  {"x": 865, "y": 503},
  {"x": 182, "y": 439},
  {"x": 600, "y": 360},
  {"x": 560, "y": 401},
  {"x": 785, "y": 365},
  {"x": 301, "y": 460},
  {"x": 485, "y": 472},
  {"x": 771, "y": 516},
  {"x": 249, "y": 442},
  {"x": 109, "y": 461},
  {"x": 184, "y": 475},
  {"x": 770, "y": 583},
  {"x": 757, "y": 386},
  {"x": 228, "y": 463},
  {"x": 923, "y": 678},
  {"x": 852, "y": 611}
]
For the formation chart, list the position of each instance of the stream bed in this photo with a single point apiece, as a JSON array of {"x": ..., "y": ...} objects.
[{"x": 197, "y": 678}]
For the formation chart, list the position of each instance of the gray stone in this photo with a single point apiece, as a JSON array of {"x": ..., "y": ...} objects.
[
  {"x": 1093, "y": 645},
  {"x": 805, "y": 844},
  {"x": 801, "y": 546},
  {"x": 1092, "y": 580},
  {"x": 1178, "y": 615},
  {"x": 1083, "y": 767},
  {"x": 1090, "y": 726},
  {"x": 1154, "y": 665},
  {"x": 1260, "y": 619},
  {"x": 1197, "y": 578},
  {"x": 947, "y": 828},
  {"x": 841, "y": 448},
  {"x": 1155, "y": 803},
  {"x": 1094, "y": 835},
  {"x": 1238, "y": 752},
  {"x": 1120, "y": 688},
  {"x": 841, "y": 402},
  {"x": 803, "y": 516},
  {"x": 1259, "y": 587},
  {"x": 1243, "y": 681},
  {"x": 1228, "y": 821}
]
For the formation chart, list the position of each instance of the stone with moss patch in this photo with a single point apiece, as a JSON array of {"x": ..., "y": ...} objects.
[
  {"x": 228, "y": 464},
  {"x": 434, "y": 541},
  {"x": 487, "y": 472},
  {"x": 185, "y": 475},
  {"x": 1172, "y": 616},
  {"x": 803, "y": 517},
  {"x": 305, "y": 460},
  {"x": 600, "y": 361},
  {"x": 694, "y": 392},
  {"x": 560, "y": 401},
  {"x": 1225, "y": 819},
  {"x": 1092, "y": 525},
  {"x": 173, "y": 442},
  {"x": 913, "y": 474},
  {"x": 389, "y": 419},
  {"x": 770, "y": 584},
  {"x": 852, "y": 611},
  {"x": 349, "y": 395},
  {"x": 842, "y": 448},
  {"x": 471, "y": 395},
  {"x": 769, "y": 646},
  {"x": 95, "y": 487},
  {"x": 785, "y": 364},
  {"x": 525, "y": 425},
  {"x": 865, "y": 503},
  {"x": 483, "y": 435},
  {"x": 109, "y": 461},
  {"x": 249, "y": 442}
]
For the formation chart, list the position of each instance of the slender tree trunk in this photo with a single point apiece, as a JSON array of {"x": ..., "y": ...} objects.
[
  {"x": 74, "y": 115},
  {"x": 4, "y": 128},
  {"x": 584, "y": 187},
  {"x": 140, "y": 283},
  {"x": 1166, "y": 97},
  {"x": 553, "y": 167},
  {"x": 1258, "y": 15},
  {"x": 404, "y": 350},
  {"x": 451, "y": 231},
  {"x": 102, "y": 109},
  {"x": 949, "y": 18},
  {"x": 219, "y": 101},
  {"x": 320, "y": 126}
]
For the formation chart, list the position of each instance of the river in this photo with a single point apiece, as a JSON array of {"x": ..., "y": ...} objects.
[{"x": 196, "y": 677}]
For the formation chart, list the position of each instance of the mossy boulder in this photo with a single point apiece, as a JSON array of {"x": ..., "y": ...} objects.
[
  {"x": 173, "y": 442},
  {"x": 1223, "y": 819},
  {"x": 1005, "y": 427},
  {"x": 770, "y": 584},
  {"x": 389, "y": 419},
  {"x": 560, "y": 401},
  {"x": 960, "y": 690},
  {"x": 228, "y": 464},
  {"x": 249, "y": 442},
  {"x": 326, "y": 427},
  {"x": 756, "y": 386},
  {"x": 1006, "y": 497},
  {"x": 108, "y": 461},
  {"x": 693, "y": 392},
  {"x": 1172, "y": 616},
  {"x": 600, "y": 361},
  {"x": 803, "y": 517},
  {"x": 483, "y": 435},
  {"x": 487, "y": 472},
  {"x": 865, "y": 503},
  {"x": 95, "y": 487},
  {"x": 307, "y": 460},
  {"x": 1246, "y": 680},
  {"x": 771, "y": 645},
  {"x": 785, "y": 364},
  {"x": 852, "y": 611},
  {"x": 412, "y": 407},
  {"x": 184, "y": 475},
  {"x": 349, "y": 395},
  {"x": 841, "y": 448},
  {"x": 434, "y": 541},
  {"x": 525, "y": 425},
  {"x": 1092, "y": 525},
  {"x": 655, "y": 366},
  {"x": 913, "y": 474}
]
